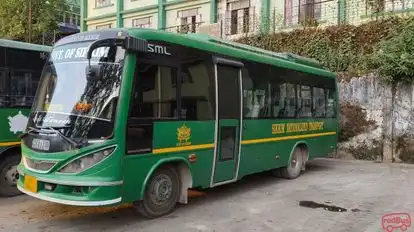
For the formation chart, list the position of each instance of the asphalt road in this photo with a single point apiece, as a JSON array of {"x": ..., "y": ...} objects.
[{"x": 261, "y": 202}]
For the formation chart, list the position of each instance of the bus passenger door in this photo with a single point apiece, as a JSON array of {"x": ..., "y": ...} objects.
[{"x": 228, "y": 121}]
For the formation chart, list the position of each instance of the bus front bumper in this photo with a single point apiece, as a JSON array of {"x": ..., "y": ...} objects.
[{"x": 87, "y": 193}]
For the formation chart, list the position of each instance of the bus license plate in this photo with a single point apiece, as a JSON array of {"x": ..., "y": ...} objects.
[{"x": 30, "y": 183}]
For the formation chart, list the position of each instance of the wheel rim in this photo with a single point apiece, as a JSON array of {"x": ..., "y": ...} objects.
[
  {"x": 161, "y": 191},
  {"x": 11, "y": 176},
  {"x": 294, "y": 161}
]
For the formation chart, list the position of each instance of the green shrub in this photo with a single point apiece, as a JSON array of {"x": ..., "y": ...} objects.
[
  {"x": 344, "y": 48},
  {"x": 394, "y": 58}
]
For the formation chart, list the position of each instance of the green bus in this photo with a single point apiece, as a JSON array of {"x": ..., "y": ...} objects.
[
  {"x": 20, "y": 68},
  {"x": 141, "y": 116}
]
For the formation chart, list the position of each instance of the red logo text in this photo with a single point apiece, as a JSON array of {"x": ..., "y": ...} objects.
[{"x": 393, "y": 221}]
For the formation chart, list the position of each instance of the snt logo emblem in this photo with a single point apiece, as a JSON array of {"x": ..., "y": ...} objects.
[
  {"x": 183, "y": 136},
  {"x": 393, "y": 221}
]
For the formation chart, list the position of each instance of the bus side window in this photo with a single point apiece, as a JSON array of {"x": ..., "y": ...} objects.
[
  {"x": 319, "y": 102},
  {"x": 304, "y": 101},
  {"x": 3, "y": 88},
  {"x": 256, "y": 91},
  {"x": 153, "y": 99},
  {"x": 330, "y": 103},
  {"x": 290, "y": 100}
]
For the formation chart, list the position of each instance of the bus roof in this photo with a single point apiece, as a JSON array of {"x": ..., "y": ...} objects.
[
  {"x": 25, "y": 46},
  {"x": 225, "y": 47}
]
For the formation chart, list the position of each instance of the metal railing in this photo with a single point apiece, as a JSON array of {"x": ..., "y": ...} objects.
[
  {"x": 185, "y": 28},
  {"x": 245, "y": 24}
]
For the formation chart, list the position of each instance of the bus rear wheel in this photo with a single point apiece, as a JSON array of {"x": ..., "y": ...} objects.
[
  {"x": 295, "y": 166},
  {"x": 9, "y": 176},
  {"x": 161, "y": 193}
]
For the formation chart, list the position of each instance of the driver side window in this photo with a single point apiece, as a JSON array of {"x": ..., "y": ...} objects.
[{"x": 154, "y": 98}]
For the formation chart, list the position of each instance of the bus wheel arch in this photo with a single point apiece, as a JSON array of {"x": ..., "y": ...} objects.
[
  {"x": 298, "y": 157},
  {"x": 9, "y": 160},
  {"x": 177, "y": 170}
]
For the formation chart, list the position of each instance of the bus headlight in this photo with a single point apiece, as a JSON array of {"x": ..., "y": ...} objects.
[{"x": 87, "y": 161}]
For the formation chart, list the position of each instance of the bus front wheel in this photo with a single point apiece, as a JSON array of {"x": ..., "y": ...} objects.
[
  {"x": 294, "y": 167},
  {"x": 161, "y": 193},
  {"x": 9, "y": 175}
]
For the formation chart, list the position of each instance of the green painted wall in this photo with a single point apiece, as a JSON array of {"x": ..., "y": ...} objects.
[
  {"x": 84, "y": 15},
  {"x": 265, "y": 16},
  {"x": 119, "y": 9},
  {"x": 161, "y": 14},
  {"x": 213, "y": 11},
  {"x": 342, "y": 10}
]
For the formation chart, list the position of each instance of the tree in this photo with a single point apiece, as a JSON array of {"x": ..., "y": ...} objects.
[{"x": 26, "y": 20}]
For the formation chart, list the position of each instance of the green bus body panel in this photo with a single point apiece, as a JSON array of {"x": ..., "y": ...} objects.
[
  {"x": 165, "y": 133},
  {"x": 165, "y": 140},
  {"x": 266, "y": 143},
  {"x": 139, "y": 168},
  {"x": 11, "y": 122},
  {"x": 259, "y": 156},
  {"x": 10, "y": 128}
]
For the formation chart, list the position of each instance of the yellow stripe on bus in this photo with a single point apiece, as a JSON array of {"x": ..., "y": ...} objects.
[
  {"x": 252, "y": 141},
  {"x": 183, "y": 148},
  {"x": 266, "y": 140},
  {"x": 4, "y": 144}
]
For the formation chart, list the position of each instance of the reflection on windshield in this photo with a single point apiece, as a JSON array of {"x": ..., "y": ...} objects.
[{"x": 78, "y": 105}]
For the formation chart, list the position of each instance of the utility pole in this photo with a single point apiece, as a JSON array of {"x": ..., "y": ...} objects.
[{"x": 30, "y": 21}]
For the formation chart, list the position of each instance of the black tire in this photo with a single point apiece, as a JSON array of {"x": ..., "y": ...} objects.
[
  {"x": 9, "y": 176},
  {"x": 294, "y": 167},
  {"x": 165, "y": 177}
]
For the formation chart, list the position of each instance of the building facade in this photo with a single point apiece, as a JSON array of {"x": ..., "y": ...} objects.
[
  {"x": 233, "y": 18},
  {"x": 71, "y": 18},
  {"x": 68, "y": 24}
]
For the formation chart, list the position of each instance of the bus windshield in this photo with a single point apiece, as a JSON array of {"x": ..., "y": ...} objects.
[{"x": 70, "y": 99}]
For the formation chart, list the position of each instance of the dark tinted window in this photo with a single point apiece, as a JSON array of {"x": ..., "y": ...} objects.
[
  {"x": 2, "y": 57},
  {"x": 154, "y": 98},
  {"x": 19, "y": 76},
  {"x": 197, "y": 91},
  {"x": 228, "y": 82},
  {"x": 19, "y": 59},
  {"x": 331, "y": 103},
  {"x": 287, "y": 102},
  {"x": 3, "y": 88},
  {"x": 319, "y": 102},
  {"x": 304, "y": 101},
  {"x": 257, "y": 99},
  {"x": 23, "y": 85},
  {"x": 271, "y": 92},
  {"x": 171, "y": 83}
]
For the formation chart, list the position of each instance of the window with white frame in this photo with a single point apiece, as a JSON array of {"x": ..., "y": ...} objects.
[
  {"x": 142, "y": 22},
  {"x": 102, "y": 3},
  {"x": 238, "y": 17},
  {"x": 104, "y": 26},
  {"x": 188, "y": 20}
]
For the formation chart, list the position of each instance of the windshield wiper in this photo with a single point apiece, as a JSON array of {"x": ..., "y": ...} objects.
[
  {"x": 69, "y": 140},
  {"x": 27, "y": 132}
]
